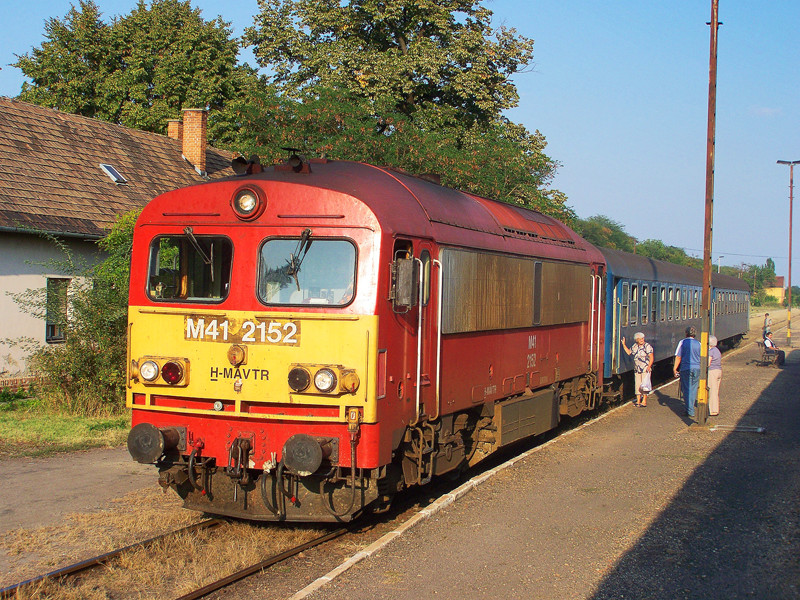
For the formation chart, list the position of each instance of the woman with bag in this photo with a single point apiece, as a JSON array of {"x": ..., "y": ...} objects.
[{"x": 642, "y": 354}]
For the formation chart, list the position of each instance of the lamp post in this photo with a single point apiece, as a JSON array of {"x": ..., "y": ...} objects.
[
  {"x": 719, "y": 262},
  {"x": 791, "y": 164}
]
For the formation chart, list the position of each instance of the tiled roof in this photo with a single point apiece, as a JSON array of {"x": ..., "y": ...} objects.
[{"x": 50, "y": 175}]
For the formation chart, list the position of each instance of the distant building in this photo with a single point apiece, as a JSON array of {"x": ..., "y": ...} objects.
[
  {"x": 70, "y": 177},
  {"x": 776, "y": 288}
]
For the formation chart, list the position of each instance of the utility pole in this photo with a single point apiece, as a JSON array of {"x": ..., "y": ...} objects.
[
  {"x": 791, "y": 164},
  {"x": 702, "y": 392}
]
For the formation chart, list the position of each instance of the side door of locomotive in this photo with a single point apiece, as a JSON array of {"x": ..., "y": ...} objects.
[{"x": 416, "y": 307}]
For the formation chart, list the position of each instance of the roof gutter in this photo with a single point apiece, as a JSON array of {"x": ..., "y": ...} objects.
[{"x": 66, "y": 234}]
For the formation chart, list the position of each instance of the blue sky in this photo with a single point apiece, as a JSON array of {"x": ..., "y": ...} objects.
[{"x": 620, "y": 90}]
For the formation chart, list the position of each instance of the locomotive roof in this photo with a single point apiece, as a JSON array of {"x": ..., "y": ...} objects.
[
  {"x": 633, "y": 266},
  {"x": 405, "y": 204}
]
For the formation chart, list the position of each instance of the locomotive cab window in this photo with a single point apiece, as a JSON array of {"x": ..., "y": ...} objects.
[
  {"x": 190, "y": 268},
  {"x": 307, "y": 270}
]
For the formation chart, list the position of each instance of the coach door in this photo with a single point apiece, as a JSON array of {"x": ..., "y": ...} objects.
[{"x": 415, "y": 296}]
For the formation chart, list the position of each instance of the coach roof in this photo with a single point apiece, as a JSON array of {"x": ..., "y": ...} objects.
[{"x": 624, "y": 265}]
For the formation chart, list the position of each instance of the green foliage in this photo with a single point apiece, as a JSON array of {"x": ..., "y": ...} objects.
[
  {"x": 605, "y": 232},
  {"x": 86, "y": 374},
  {"x": 418, "y": 86},
  {"x": 410, "y": 55},
  {"x": 658, "y": 250},
  {"x": 139, "y": 70},
  {"x": 9, "y": 395}
]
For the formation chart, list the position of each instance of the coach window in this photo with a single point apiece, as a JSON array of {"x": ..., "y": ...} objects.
[
  {"x": 663, "y": 303},
  {"x": 307, "y": 270},
  {"x": 623, "y": 319},
  {"x": 654, "y": 305},
  {"x": 696, "y": 304},
  {"x": 670, "y": 304},
  {"x": 425, "y": 259},
  {"x": 684, "y": 303},
  {"x": 645, "y": 305},
  {"x": 190, "y": 268},
  {"x": 677, "y": 305},
  {"x": 634, "y": 304}
]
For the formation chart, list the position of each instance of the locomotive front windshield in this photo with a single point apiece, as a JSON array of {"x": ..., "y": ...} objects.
[
  {"x": 190, "y": 268},
  {"x": 307, "y": 270}
]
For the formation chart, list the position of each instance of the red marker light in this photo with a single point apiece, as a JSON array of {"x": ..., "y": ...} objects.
[{"x": 172, "y": 372}]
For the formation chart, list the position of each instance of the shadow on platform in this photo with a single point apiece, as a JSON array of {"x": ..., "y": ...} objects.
[{"x": 733, "y": 531}]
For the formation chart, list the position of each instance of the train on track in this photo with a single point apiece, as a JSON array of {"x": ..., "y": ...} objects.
[{"x": 309, "y": 340}]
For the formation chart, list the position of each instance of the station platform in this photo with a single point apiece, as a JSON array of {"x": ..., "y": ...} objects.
[{"x": 637, "y": 504}]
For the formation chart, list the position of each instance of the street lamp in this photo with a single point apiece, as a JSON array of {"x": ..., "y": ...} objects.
[
  {"x": 791, "y": 164},
  {"x": 719, "y": 262}
]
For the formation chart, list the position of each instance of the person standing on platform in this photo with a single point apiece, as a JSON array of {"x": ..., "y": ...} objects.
[
  {"x": 767, "y": 325},
  {"x": 714, "y": 376},
  {"x": 687, "y": 363},
  {"x": 642, "y": 353}
]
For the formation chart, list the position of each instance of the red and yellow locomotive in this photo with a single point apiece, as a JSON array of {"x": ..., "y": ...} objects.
[{"x": 312, "y": 339}]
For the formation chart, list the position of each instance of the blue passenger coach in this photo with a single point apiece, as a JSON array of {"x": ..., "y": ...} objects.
[{"x": 661, "y": 300}]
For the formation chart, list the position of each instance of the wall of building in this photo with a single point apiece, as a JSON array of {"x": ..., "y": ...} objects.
[{"x": 26, "y": 264}]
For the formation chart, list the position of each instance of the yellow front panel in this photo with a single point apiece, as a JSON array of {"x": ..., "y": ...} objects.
[{"x": 272, "y": 342}]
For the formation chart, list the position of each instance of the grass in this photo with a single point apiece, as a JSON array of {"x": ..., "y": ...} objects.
[
  {"x": 165, "y": 570},
  {"x": 28, "y": 428}
]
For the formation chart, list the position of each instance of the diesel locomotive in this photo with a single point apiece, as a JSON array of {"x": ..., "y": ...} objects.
[{"x": 311, "y": 339}]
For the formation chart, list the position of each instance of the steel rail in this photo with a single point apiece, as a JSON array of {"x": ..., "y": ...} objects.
[
  {"x": 247, "y": 571},
  {"x": 87, "y": 564}
]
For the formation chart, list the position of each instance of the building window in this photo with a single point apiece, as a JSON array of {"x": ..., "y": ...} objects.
[{"x": 56, "y": 314}]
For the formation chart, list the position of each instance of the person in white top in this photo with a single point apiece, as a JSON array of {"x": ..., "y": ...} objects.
[{"x": 772, "y": 348}]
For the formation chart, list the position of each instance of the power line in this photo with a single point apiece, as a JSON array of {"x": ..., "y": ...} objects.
[{"x": 772, "y": 256}]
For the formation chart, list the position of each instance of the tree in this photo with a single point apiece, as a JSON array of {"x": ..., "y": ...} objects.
[
  {"x": 417, "y": 53},
  {"x": 658, "y": 250},
  {"x": 605, "y": 232},
  {"x": 414, "y": 85},
  {"x": 68, "y": 71},
  {"x": 138, "y": 71}
]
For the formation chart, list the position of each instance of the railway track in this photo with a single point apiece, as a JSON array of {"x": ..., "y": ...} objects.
[{"x": 90, "y": 563}]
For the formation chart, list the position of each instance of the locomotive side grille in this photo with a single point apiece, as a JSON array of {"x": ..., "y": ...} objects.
[{"x": 484, "y": 291}]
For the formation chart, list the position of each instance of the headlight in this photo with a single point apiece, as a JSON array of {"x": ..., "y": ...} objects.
[
  {"x": 325, "y": 380},
  {"x": 247, "y": 203},
  {"x": 148, "y": 370},
  {"x": 172, "y": 373},
  {"x": 299, "y": 379}
]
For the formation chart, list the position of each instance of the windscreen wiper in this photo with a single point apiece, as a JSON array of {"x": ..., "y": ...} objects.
[
  {"x": 296, "y": 258},
  {"x": 209, "y": 260}
]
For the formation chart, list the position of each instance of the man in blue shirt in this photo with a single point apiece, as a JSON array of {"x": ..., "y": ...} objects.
[{"x": 687, "y": 362}]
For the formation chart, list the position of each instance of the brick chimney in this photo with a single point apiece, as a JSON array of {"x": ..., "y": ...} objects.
[
  {"x": 175, "y": 129},
  {"x": 194, "y": 138}
]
